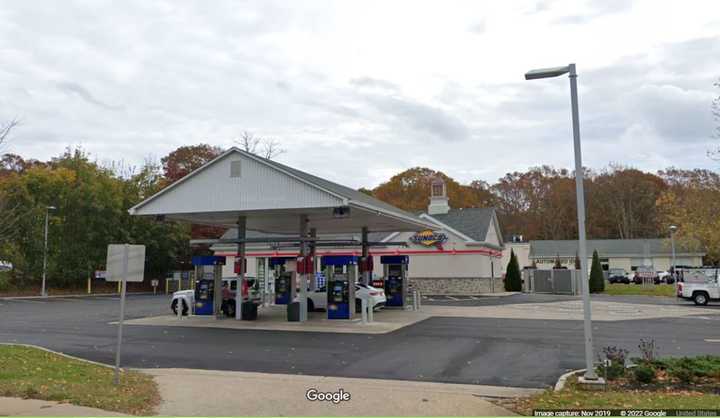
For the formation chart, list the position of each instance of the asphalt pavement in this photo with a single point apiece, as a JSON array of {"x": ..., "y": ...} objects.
[{"x": 489, "y": 351}]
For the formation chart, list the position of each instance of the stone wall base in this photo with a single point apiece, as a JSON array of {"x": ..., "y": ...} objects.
[{"x": 456, "y": 286}]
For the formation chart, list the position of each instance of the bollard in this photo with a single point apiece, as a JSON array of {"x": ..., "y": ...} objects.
[
  {"x": 419, "y": 300},
  {"x": 179, "y": 309},
  {"x": 118, "y": 286},
  {"x": 363, "y": 310},
  {"x": 371, "y": 313},
  {"x": 415, "y": 300},
  {"x": 89, "y": 286}
]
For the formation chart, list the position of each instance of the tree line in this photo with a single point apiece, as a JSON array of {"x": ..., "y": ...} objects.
[
  {"x": 91, "y": 201},
  {"x": 621, "y": 202}
]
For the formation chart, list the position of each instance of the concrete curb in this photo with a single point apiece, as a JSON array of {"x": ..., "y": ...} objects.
[
  {"x": 563, "y": 379},
  {"x": 72, "y": 296},
  {"x": 62, "y": 354}
]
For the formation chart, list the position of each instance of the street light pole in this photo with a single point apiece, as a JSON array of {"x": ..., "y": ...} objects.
[
  {"x": 673, "y": 228},
  {"x": 43, "y": 291},
  {"x": 580, "y": 196}
]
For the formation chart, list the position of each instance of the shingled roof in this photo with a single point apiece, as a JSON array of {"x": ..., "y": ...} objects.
[{"x": 472, "y": 222}]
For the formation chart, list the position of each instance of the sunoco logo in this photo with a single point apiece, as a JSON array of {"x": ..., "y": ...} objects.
[{"x": 429, "y": 238}]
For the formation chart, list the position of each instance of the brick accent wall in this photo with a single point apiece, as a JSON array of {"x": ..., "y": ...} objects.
[{"x": 456, "y": 286}]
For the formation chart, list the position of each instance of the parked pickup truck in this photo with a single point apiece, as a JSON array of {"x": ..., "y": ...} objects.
[{"x": 699, "y": 285}]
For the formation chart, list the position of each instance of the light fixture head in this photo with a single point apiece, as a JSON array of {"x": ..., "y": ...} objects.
[{"x": 546, "y": 72}]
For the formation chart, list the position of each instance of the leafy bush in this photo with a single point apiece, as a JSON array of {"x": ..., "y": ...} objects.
[
  {"x": 683, "y": 374},
  {"x": 644, "y": 374},
  {"x": 686, "y": 369}
]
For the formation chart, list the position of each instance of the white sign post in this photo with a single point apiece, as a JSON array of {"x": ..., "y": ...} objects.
[{"x": 125, "y": 263}]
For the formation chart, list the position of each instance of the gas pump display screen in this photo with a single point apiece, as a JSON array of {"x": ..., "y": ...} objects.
[
  {"x": 338, "y": 292},
  {"x": 340, "y": 277}
]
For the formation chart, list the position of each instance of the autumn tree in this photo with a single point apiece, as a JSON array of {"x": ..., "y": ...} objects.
[
  {"x": 539, "y": 203},
  {"x": 410, "y": 190},
  {"x": 185, "y": 159},
  {"x": 621, "y": 203},
  {"x": 692, "y": 203}
]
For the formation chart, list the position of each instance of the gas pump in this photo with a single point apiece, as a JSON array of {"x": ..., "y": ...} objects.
[
  {"x": 284, "y": 281},
  {"x": 208, "y": 275},
  {"x": 341, "y": 275},
  {"x": 395, "y": 270}
]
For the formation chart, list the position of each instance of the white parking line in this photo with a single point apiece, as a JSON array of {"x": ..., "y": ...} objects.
[
  {"x": 451, "y": 298},
  {"x": 712, "y": 340}
]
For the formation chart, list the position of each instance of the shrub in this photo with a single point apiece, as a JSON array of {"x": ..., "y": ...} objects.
[
  {"x": 647, "y": 349},
  {"x": 617, "y": 358},
  {"x": 683, "y": 374},
  {"x": 686, "y": 369},
  {"x": 513, "y": 282},
  {"x": 597, "y": 278},
  {"x": 644, "y": 374}
]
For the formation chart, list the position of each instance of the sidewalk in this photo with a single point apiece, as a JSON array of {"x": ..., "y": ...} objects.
[
  {"x": 262, "y": 394},
  {"x": 33, "y": 407}
]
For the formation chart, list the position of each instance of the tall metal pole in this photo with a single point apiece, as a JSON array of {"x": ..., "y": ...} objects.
[
  {"x": 43, "y": 292},
  {"x": 123, "y": 284},
  {"x": 582, "y": 246},
  {"x": 672, "y": 244}
]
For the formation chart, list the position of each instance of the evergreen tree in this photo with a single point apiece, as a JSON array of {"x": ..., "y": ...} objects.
[
  {"x": 513, "y": 282},
  {"x": 597, "y": 279},
  {"x": 558, "y": 263},
  {"x": 577, "y": 262}
]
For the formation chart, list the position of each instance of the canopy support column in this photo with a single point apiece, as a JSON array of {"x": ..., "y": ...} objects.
[
  {"x": 239, "y": 296},
  {"x": 366, "y": 274},
  {"x": 313, "y": 249},
  {"x": 301, "y": 275}
]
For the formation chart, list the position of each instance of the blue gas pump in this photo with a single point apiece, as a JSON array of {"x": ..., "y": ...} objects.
[
  {"x": 284, "y": 281},
  {"x": 205, "y": 285},
  {"x": 395, "y": 270},
  {"x": 340, "y": 275}
]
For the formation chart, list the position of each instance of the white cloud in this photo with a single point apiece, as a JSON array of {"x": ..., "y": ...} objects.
[{"x": 359, "y": 90}]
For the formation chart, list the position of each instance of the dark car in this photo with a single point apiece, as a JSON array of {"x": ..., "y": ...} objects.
[{"x": 618, "y": 276}]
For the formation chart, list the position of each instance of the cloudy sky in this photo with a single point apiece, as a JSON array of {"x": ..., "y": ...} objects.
[{"x": 358, "y": 91}]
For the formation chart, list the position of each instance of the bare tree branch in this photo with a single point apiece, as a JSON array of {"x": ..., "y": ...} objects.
[
  {"x": 6, "y": 128},
  {"x": 267, "y": 148},
  {"x": 271, "y": 149},
  {"x": 248, "y": 142}
]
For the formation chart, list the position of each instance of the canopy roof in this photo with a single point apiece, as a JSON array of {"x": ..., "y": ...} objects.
[{"x": 271, "y": 196}]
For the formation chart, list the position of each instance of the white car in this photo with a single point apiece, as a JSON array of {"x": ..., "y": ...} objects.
[
  {"x": 188, "y": 296},
  {"x": 375, "y": 297}
]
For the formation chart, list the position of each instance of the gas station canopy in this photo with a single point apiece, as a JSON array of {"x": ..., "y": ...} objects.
[{"x": 271, "y": 197}]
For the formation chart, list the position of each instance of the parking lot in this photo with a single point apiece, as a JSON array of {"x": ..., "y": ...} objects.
[{"x": 515, "y": 351}]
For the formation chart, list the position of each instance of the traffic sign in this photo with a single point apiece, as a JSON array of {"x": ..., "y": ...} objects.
[{"x": 116, "y": 263}]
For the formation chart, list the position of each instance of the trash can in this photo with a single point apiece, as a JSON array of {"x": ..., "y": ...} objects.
[
  {"x": 293, "y": 311},
  {"x": 249, "y": 311}
]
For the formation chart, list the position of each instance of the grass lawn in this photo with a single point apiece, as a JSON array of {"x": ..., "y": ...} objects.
[
  {"x": 31, "y": 373},
  {"x": 571, "y": 397},
  {"x": 619, "y": 289}
]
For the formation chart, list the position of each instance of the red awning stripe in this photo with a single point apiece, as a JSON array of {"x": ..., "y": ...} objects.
[{"x": 492, "y": 253}]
